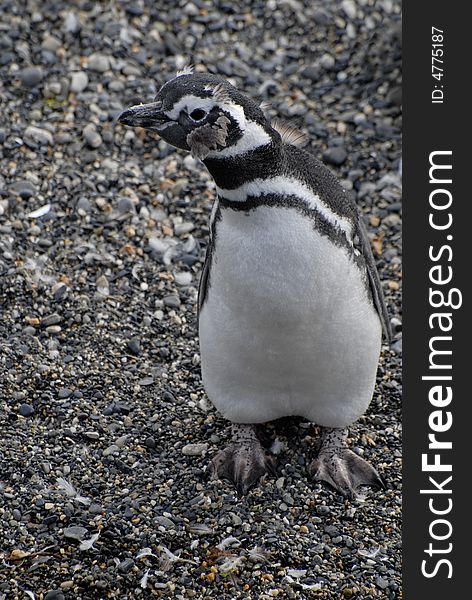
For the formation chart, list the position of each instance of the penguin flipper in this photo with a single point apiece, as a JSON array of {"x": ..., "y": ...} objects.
[
  {"x": 373, "y": 276},
  {"x": 205, "y": 277}
]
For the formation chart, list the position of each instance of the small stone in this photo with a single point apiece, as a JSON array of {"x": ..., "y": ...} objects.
[
  {"x": 321, "y": 17},
  {"x": 103, "y": 289},
  {"x": 172, "y": 301},
  {"x": 349, "y": 7},
  {"x": 96, "y": 509},
  {"x": 26, "y": 410},
  {"x": 183, "y": 228},
  {"x": 150, "y": 442},
  {"x": 381, "y": 583},
  {"x": 134, "y": 345},
  {"x": 394, "y": 97},
  {"x": 335, "y": 156},
  {"x": 52, "y": 319},
  {"x": 75, "y": 533},
  {"x": 327, "y": 62},
  {"x": 98, "y": 62},
  {"x": 66, "y": 585},
  {"x": 183, "y": 278},
  {"x": 126, "y": 565},
  {"x": 332, "y": 530},
  {"x": 71, "y": 22},
  {"x": 54, "y": 329},
  {"x": 31, "y": 76},
  {"x": 311, "y": 72},
  {"x": 397, "y": 346},
  {"x": 64, "y": 393},
  {"x": 50, "y": 43},
  {"x": 91, "y": 135},
  {"x": 92, "y": 435},
  {"x": 121, "y": 441},
  {"x": 24, "y": 189},
  {"x": 113, "y": 449},
  {"x": 40, "y": 136},
  {"x": 125, "y": 205},
  {"x": 194, "y": 449},
  {"x": 79, "y": 82},
  {"x": 83, "y": 206},
  {"x": 54, "y": 595},
  {"x": 165, "y": 522}
]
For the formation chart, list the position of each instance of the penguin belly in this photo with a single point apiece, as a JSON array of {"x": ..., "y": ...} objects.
[{"x": 287, "y": 327}]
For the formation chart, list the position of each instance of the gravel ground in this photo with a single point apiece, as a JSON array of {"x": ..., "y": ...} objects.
[{"x": 106, "y": 432}]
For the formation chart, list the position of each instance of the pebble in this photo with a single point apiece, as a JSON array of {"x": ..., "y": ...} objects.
[
  {"x": 98, "y": 62},
  {"x": 75, "y": 533},
  {"x": 335, "y": 156},
  {"x": 83, "y": 206},
  {"x": 183, "y": 228},
  {"x": 31, "y": 76},
  {"x": 126, "y": 204},
  {"x": 134, "y": 345},
  {"x": 24, "y": 189},
  {"x": 102, "y": 286},
  {"x": 349, "y": 7},
  {"x": 381, "y": 583},
  {"x": 79, "y": 82},
  {"x": 125, "y": 565},
  {"x": 194, "y": 449},
  {"x": 165, "y": 522},
  {"x": 71, "y": 22},
  {"x": 113, "y": 449},
  {"x": 26, "y": 410},
  {"x": 183, "y": 278},
  {"x": 327, "y": 62},
  {"x": 54, "y": 595},
  {"x": 52, "y": 319},
  {"x": 91, "y": 136},
  {"x": 41, "y": 136}
]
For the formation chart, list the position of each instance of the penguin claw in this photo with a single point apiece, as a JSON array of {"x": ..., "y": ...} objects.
[
  {"x": 243, "y": 465},
  {"x": 345, "y": 471}
]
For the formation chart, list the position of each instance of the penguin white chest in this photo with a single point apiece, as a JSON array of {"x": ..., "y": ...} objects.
[{"x": 287, "y": 327}]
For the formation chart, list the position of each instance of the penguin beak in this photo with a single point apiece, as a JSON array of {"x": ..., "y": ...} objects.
[{"x": 149, "y": 116}]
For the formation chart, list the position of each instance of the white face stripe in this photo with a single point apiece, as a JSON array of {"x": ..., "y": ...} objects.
[
  {"x": 282, "y": 184},
  {"x": 237, "y": 112},
  {"x": 189, "y": 103},
  {"x": 253, "y": 137}
]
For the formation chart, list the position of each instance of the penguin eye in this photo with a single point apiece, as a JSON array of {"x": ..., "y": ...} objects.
[{"x": 198, "y": 114}]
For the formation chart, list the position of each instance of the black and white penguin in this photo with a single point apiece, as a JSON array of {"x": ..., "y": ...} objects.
[{"x": 291, "y": 309}]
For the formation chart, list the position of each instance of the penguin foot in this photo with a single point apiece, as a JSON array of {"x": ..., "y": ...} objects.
[
  {"x": 244, "y": 461},
  {"x": 341, "y": 468}
]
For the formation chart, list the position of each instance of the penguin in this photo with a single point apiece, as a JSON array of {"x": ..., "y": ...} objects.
[{"x": 290, "y": 308}]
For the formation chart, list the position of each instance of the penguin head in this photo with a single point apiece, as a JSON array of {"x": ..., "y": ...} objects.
[{"x": 204, "y": 114}]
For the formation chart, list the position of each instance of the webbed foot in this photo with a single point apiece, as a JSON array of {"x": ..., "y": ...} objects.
[
  {"x": 244, "y": 461},
  {"x": 341, "y": 468}
]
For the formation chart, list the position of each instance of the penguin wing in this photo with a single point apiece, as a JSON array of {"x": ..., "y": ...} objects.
[
  {"x": 373, "y": 276},
  {"x": 204, "y": 279}
]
